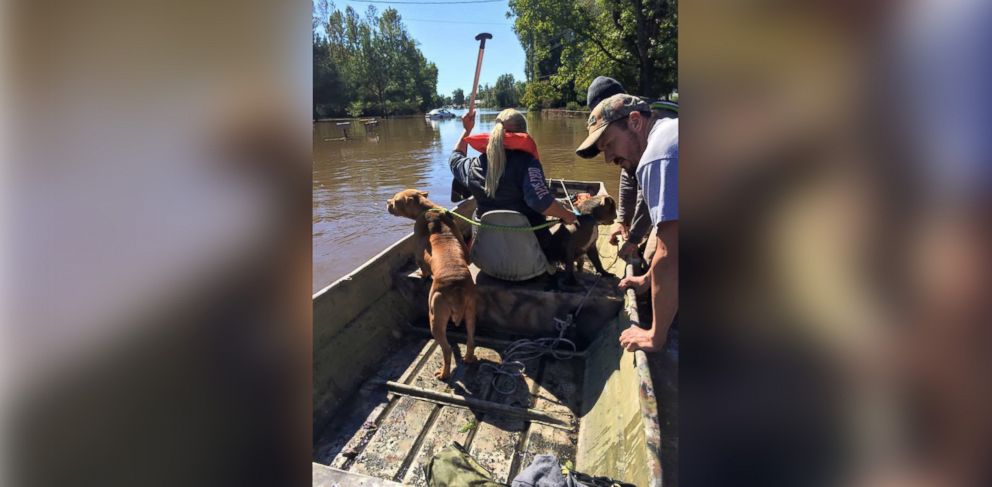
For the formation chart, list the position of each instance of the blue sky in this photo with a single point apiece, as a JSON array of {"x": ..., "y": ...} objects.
[{"x": 446, "y": 34}]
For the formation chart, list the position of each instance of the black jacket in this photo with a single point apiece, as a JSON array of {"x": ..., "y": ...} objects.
[{"x": 522, "y": 187}]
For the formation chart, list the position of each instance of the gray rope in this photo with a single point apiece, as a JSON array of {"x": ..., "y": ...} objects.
[{"x": 512, "y": 366}]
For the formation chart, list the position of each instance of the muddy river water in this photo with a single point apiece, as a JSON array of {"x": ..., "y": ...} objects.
[{"x": 353, "y": 178}]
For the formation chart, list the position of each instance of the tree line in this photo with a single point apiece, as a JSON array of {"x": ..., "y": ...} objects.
[
  {"x": 506, "y": 93},
  {"x": 368, "y": 65},
  {"x": 567, "y": 44}
]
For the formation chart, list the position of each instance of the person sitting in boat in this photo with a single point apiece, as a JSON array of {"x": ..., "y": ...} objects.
[{"x": 508, "y": 174}]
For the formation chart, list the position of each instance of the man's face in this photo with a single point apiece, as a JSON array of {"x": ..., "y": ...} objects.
[{"x": 621, "y": 143}]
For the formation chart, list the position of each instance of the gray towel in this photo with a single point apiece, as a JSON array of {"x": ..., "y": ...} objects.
[{"x": 544, "y": 471}]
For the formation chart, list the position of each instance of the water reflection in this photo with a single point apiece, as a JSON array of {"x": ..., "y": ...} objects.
[{"x": 352, "y": 178}]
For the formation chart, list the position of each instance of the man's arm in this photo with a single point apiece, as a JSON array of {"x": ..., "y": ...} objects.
[
  {"x": 461, "y": 167},
  {"x": 461, "y": 164},
  {"x": 665, "y": 282},
  {"x": 663, "y": 276},
  {"x": 468, "y": 123},
  {"x": 640, "y": 223},
  {"x": 626, "y": 202}
]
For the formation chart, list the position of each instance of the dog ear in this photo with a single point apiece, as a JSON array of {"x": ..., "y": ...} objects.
[{"x": 422, "y": 193}]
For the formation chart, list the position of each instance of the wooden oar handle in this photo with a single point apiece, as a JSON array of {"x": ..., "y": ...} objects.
[{"x": 475, "y": 84}]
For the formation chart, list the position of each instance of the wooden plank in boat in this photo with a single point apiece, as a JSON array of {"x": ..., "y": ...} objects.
[
  {"x": 446, "y": 428},
  {"x": 416, "y": 364},
  {"x": 495, "y": 444},
  {"x": 558, "y": 390},
  {"x": 358, "y": 440},
  {"x": 475, "y": 380},
  {"x": 479, "y": 406},
  {"x": 395, "y": 438},
  {"x": 424, "y": 377},
  {"x": 546, "y": 440},
  {"x": 497, "y": 438},
  {"x": 358, "y": 420}
]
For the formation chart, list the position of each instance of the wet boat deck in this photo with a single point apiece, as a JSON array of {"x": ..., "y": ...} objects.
[{"x": 391, "y": 429}]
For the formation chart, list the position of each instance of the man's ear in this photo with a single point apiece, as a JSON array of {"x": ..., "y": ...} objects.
[{"x": 635, "y": 120}]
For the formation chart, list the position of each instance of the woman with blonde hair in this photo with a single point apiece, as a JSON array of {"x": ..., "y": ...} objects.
[{"x": 508, "y": 174}]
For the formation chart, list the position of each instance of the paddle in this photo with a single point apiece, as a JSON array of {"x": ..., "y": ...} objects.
[
  {"x": 458, "y": 191},
  {"x": 478, "y": 67}
]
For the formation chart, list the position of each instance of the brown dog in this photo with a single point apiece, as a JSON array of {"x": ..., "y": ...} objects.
[
  {"x": 571, "y": 243},
  {"x": 441, "y": 253}
]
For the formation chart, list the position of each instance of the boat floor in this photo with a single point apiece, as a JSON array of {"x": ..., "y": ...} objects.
[{"x": 392, "y": 436}]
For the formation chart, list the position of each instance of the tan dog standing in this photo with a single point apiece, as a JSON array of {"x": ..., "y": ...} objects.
[{"x": 441, "y": 253}]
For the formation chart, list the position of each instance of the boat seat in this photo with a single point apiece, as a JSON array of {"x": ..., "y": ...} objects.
[
  {"x": 514, "y": 309},
  {"x": 506, "y": 254}
]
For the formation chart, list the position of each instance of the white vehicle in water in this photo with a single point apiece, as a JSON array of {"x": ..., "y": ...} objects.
[{"x": 439, "y": 114}]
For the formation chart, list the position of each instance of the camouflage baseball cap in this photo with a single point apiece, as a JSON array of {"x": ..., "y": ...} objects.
[{"x": 614, "y": 108}]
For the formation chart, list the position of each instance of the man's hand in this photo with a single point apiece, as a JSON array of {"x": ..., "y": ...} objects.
[
  {"x": 636, "y": 338},
  {"x": 628, "y": 249},
  {"x": 620, "y": 229},
  {"x": 638, "y": 283},
  {"x": 556, "y": 210},
  {"x": 468, "y": 121}
]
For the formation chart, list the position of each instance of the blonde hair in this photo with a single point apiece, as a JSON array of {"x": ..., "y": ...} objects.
[{"x": 508, "y": 120}]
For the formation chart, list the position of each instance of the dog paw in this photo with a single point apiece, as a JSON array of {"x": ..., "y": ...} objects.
[
  {"x": 470, "y": 359},
  {"x": 442, "y": 374}
]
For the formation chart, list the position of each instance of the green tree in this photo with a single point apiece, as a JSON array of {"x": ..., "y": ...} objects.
[
  {"x": 458, "y": 97},
  {"x": 486, "y": 96},
  {"x": 368, "y": 65},
  {"x": 504, "y": 92},
  {"x": 540, "y": 94},
  {"x": 568, "y": 44},
  {"x": 519, "y": 88}
]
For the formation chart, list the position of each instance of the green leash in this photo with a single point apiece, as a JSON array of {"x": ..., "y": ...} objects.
[{"x": 496, "y": 227}]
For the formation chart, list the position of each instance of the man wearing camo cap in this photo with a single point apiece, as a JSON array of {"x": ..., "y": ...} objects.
[
  {"x": 623, "y": 128},
  {"x": 632, "y": 223}
]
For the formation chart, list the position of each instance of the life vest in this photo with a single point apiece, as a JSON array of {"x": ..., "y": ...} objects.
[{"x": 511, "y": 141}]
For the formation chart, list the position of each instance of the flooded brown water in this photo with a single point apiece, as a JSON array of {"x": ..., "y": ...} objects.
[{"x": 352, "y": 179}]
